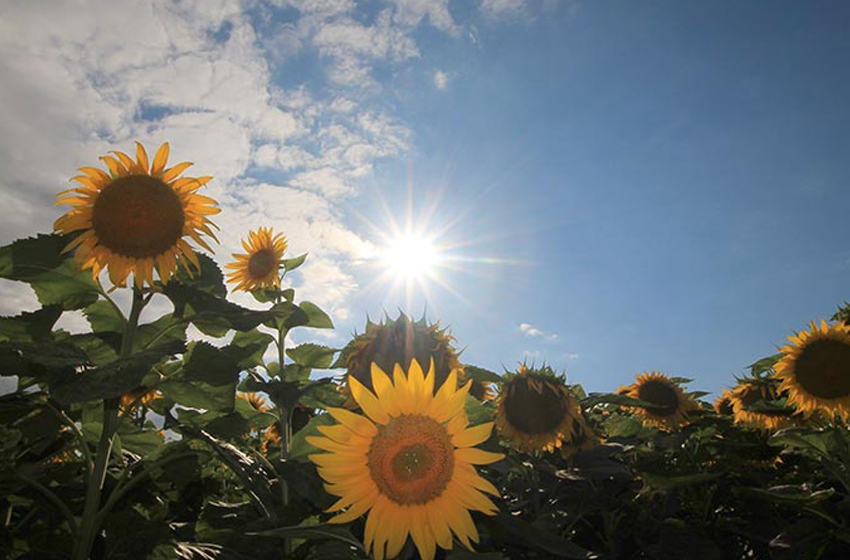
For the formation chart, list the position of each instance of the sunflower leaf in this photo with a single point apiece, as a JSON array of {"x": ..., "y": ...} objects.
[
  {"x": 55, "y": 277},
  {"x": 207, "y": 379},
  {"x": 293, "y": 263},
  {"x": 30, "y": 326},
  {"x": 765, "y": 364},
  {"x": 312, "y": 355},
  {"x": 300, "y": 448},
  {"x": 612, "y": 398},
  {"x": 480, "y": 374}
]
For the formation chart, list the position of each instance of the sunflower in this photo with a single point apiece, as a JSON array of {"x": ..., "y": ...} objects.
[
  {"x": 815, "y": 370},
  {"x": 723, "y": 404},
  {"x": 671, "y": 402},
  {"x": 582, "y": 440},
  {"x": 408, "y": 462},
  {"x": 140, "y": 396},
  {"x": 260, "y": 266},
  {"x": 399, "y": 341},
  {"x": 750, "y": 392},
  {"x": 135, "y": 218},
  {"x": 536, "y": 410}
]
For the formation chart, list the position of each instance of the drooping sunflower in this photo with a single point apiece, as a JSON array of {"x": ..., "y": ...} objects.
[
  {"x": 671, "y": 402},
  {"x": 815, "y": 370},
  {"x": 134, "y": 218},
  {"x": 582, "y": 440},
  {"x": 750, "y": 392},
  {"x": 536, "y": 410},
  {"x": 409, "y": 462},
  {"x": 723, "y": 403},
  {"x": 399, "y": 341},
  {"x": 260, "y": 266}
]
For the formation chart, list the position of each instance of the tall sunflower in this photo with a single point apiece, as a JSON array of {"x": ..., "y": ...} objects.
[
  {"x": 815, "y": 370},
  {"x": 134, "y": 218},
  {"x": 260, "y": 266},
  {"x": 399, "y": 341},
  {"x": 750, "y": 392},
  {"x": 536, "y": 410},
  {"x": 408, "y": 462},
  {"x": 672, "y": 405}
]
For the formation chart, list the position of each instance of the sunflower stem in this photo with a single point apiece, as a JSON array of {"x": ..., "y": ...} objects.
[
  {"x": 90, "y": 525},
  {"x": 284, "y": 422}
]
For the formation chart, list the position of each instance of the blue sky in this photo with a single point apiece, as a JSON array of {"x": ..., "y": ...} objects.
[{"x": 621, "y": 186}]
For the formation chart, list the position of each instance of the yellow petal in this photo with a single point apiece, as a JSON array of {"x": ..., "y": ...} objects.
[
  {"x": 420, "y": 530},
  {"x": 355, "y": 422},
  {"x": 173, "y": 172},
  {"x": 367, "y": 401},
  {"x": 475, "y": 456},
  {"x": 159, "y": 160},
  {"x": 142, "y": 157},
  {"x": 400, "y": 526},
  {"x": 473, "y": 436},
  {"x": 385, "y": 390}
]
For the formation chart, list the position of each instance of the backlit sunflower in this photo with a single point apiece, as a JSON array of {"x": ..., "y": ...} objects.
[
  {"x": 260, "y": 266},
  {"x": 134, "y": 218},
  {"x": 671, "y": 402},
  {"x": 536, "y": 410},
  {"x": 583, "y": 439},
  {"x": 723, "y": 404},
  {"x": 408, "y": 462},
  {"x": 399, "y": 341},
  {"x": 750, "y": 392},
  {"x": 815, "y": 370}
]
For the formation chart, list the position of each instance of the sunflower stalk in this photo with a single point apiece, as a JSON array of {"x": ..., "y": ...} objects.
[
  {"x": 285, "y": 419},
  {"x": 90, "y": 525}
]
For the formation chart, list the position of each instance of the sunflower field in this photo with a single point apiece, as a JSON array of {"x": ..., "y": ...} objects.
[{"x": 136, "y": 441}]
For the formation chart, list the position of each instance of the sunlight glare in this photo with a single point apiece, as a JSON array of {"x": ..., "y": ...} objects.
[{"x": 411, "y": 256}]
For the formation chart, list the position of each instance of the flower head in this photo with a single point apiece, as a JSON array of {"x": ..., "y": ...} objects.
[
  {"x": 134, "y": 219},
  {"x": 408, "y": 462},
  {"x": 259, "y": 266},
  {"x": 671, "y": 404}
]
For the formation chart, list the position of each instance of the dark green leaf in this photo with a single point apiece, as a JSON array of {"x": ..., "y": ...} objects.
[
  {"x": 611, "y": 398},
  {"x": 300, "y": 448},
  {"x": 295, "y": 262},
  {"x": 322, "y": 532},
  {"x": 102, "y": 316},
  {"x": 514, "y": 529},
  {"x": 312, "y": 355},
  {"x": 30, "y": 326},
  {"x": 482, "y": 375},
  {"x": 248, "y": 348},
  {"x": 56, "y": 279},
  {"x": 167, "y": 328},
  {"x": 209, "y": 280},
  {"x": 207, "y": 380},
  {"x": 310, "y": 316},
  {"x": 765, "y": 364}
]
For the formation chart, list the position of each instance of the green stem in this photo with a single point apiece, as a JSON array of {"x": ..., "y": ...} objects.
[
  {"x": 54, "y": 499},
  {"x": 81, "y": 439},
  {"x": 285, "y": 422},
  {"x": 121, "y": 491},
  {"x": 91, "y": 521}
]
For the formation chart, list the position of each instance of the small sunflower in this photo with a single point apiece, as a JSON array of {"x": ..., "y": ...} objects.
[
  {"x": 723, "y": 404},
  {"x": 748, "y": 393},
  {"x": 260, "y": 266},
  {"x": 399, "y": 341},
  {"x": 409, "y": 462},
  {"x": 134, "y": 218},
  {"x": 256, "y": 400},
  {"x": 141, "y": 396},
  {"x": 815, "y": 370},
  {"x": 536, "y": 410},
  {"x": 671, "y": 402}
]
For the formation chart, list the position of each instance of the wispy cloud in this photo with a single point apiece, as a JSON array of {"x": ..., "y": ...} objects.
[
  {"x": 530, "y": 330},
  {"x": 441, "y": 80},
  {"x": 199, "y": 74}
]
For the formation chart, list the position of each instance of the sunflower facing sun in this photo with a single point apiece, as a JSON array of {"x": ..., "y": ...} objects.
[
  {"x": 815, "y": 369},
  {"x": 134, "y": 218},
  {"x": 260, "y": 266},
  {"x": 408, "y": 462}
]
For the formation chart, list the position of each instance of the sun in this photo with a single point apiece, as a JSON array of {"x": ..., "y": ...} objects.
[{"x": 411, "y": 257}]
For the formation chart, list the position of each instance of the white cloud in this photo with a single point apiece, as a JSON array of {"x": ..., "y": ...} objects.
[
  {"x": 441, "y": 80},
  {"x": 531, "y": 331},
  {"x": 573, "y": 356},
  {"x": 501, "y": 7},
  {"x": 412, "y": 12}
]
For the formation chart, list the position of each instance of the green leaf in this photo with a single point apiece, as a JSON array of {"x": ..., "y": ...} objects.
[
  {"x": 293, "y": 263},
  {"x": 111, "y": 380},
  {"x": 55, "y": 277},
  {"x": 789, "y": 494},
  {"x": 30, "y": 326},
  {"x": 657, "y": 481},
  {"x": 480, "y": 374},
  {"x": 207, "y": 379},
  {"x": 209, "y": 280},
  {"x": 612, "y": 398},
  {"x": 476, "y": 412},
  {"x": 765, "y": 364},
  {"x": 321, "y": 532},
  {"x": 316, "y": 318},
  {"x": 312, "y": 355},
  {"x": 102, "y": 317},
  {"x": 681, "y": 380},
  {"x": 536, "y": 537},
  {"x": 300, "y": 449},
  {"x": 248, "y": 348},
  {"x": 167, "y": 328},
  {"x": 620, "y": 425},
  {"x": 211, "y": 314}
]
